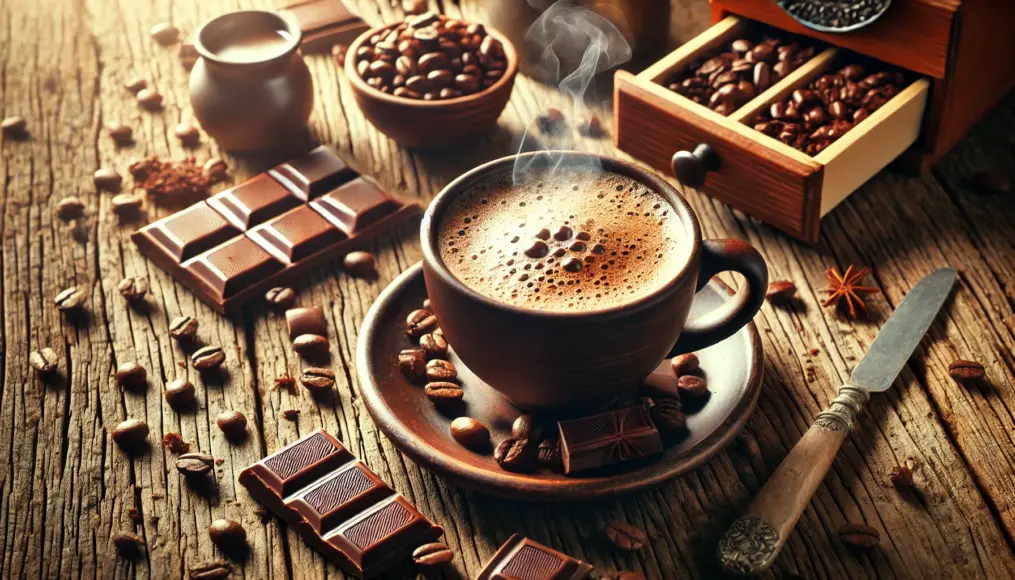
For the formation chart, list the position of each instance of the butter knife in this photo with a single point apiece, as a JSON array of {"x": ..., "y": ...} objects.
[{"x": 754, "y": 540}]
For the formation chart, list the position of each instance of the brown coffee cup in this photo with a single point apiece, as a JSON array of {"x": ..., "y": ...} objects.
[{"x": 562, "y": 361}]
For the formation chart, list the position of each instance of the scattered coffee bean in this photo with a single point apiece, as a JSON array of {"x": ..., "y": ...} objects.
[
  {"x": 131, "y": 375},
  {"x": 130, "y": 434},
  {"x": 136, "y": 84},
  {"x": 441, "y": 370},
  {"x": 15, "y": 127},
  {"x": 443, "y": 393},
  {"x": 188, "y": 134},
  {"x": 991, "y": 181},
  {"x": 44, "y": 360},
  {"x": 859, "y": 536},
  {"x": 133, "y": 289},
  {"x": 183, "y": 327},
  {"x": 227, "y": 534},
  {"x": 591, "y": 127},
  {"x": 901, "y": 476},
  {"x": 211, "y": 570},
  {"x": 433, "y": 345},
  {"x": 548, "y": 453},
  {"x": 280, "y": 297},
  {"x": 551, "y": 121},
  {"x": 668, "y": 415},
  {"x": 195, "y": 464},
  {"x": 128, "y": 545},
  {"x": 317, "y": 379},
  {"x": 514, "y": 455},
  {"x": 308, "y": 345},
  {"x": 126, "y": 205},
  {"x": 420, "y": 322},
  {"x": 120, "y": 134},
  {"x": 165, "y": 33},
  {"x": 470, "y": 433},
  {"x": 526, "y": 427},
  {"x": 360, "y": 264},
  {"x": 966, "y": 371},
  {"x": 107, "y": 179},
  {"x": 70, "y": 207},
  {"x": 232, "y": 423},
  {"x": 692, "y": 385},
  {"x": 206, "y": 358},
  {"x": 179, "y": 394},
  {"x": 685, "y": 364},
  {"x": 781, "y": 292},
  {"x": 338, "y": 54},
  {"x": 215, "y": 168},
  {"x": 70, "y": 299},
  {"x": 412, "y": 361},
  {"x": 149, "y": 99},
  {"x": 625, "y": 536}
]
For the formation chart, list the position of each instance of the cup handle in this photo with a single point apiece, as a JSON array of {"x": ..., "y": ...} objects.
[{"x": 721, "y": 256}]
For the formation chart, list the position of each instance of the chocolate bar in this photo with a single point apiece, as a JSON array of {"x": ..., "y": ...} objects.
[
  {"x": 338, "y": 506},
  {"x": 521, "y": 557},
  {"x": 324, "y": 23},
  {"x": 272, "y": 228},
  {"x": 608, "y": 438}
]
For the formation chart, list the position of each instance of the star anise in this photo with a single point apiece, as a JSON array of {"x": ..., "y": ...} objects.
[
  {"x": 844, "y": 290},
  {"x": 621, "y": 447}
]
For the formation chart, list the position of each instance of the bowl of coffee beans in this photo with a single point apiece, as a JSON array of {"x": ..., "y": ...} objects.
[{"x": 432, "y": 81}]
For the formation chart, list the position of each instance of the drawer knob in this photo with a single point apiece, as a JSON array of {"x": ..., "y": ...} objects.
[{"x": 690, "y": 167}]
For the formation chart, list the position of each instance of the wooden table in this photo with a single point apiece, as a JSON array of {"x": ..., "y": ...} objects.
[{"x": 66, "y": 488}]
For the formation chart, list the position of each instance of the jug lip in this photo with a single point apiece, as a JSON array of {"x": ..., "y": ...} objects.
[{"x": 221, "y": 27}]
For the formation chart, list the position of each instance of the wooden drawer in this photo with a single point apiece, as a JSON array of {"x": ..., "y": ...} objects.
[{"x": 758, "y": 174}]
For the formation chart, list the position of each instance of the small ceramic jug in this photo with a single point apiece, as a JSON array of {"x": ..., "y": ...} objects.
[{"x": 251, "y": 90}]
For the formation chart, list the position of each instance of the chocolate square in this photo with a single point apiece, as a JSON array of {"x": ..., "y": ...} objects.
[
  {"x": 355, "y": 205},
  {"x": 308, "y": 320},
  {"x": 313, "y": 174},
  {"x": 296, "y": 234},
  {"x": 608, "y": 438},
  {"x": 253, "y": 202},
  {"x": 324, "y": 23},
  {"x": 233, "y": 266},
  {"x": 189, "y": 232},
  {"x": 521, "y": 557},
  {"x": 387, "y": 530},
  {"x": 291, "y": 469},
  {"x": 338, "y": 496}
]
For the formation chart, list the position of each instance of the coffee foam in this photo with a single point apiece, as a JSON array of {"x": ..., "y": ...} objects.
[{"x": 506, "y": 241}]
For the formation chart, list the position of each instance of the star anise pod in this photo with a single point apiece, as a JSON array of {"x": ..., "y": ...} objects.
[{"x": 845, "y": 291}]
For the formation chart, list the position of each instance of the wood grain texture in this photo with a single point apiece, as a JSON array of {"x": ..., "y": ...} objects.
[{"x": 66, "y": 488}]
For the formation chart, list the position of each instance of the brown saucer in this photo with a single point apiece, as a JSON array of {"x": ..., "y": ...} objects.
[{"x": 420, "y": 430}]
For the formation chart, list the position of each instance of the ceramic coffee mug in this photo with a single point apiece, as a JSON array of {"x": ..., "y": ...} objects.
[{"x": 561, "y": 361}]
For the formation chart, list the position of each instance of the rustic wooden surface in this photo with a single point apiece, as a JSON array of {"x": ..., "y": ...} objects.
[{"x": 67, "y": 488}]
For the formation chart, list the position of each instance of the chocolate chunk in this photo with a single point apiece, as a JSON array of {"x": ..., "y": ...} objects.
[
  {"x": 355, "y": 206},
  {"x": 608, "y": 438},
  {"x": 668, "y": 415},
  {"x": 412, "y": 362},
  {"x": 521, "y": 557},
  {"x": 548, "y": 453},
  {"x": 309, "y": 320},
  {"x": 324, "y": 23}
]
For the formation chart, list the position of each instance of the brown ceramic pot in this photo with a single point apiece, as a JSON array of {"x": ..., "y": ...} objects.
[
  {"x": 251, "y": 90},
  {"x": 562, "y": 362}
]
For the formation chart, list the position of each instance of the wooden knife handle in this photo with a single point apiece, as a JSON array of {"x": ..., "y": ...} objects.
[{"x": 754, "y": 540}]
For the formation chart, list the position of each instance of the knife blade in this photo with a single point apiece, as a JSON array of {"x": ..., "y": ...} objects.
[{"x": 755, "y": 539}]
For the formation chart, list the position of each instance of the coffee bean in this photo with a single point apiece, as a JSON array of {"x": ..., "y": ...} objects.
[
  {"x": 741, "y": 45},
  {"x": 514, "y": 455},
  {"x": 212, "y": 570},
  {"x": 433, "y": 345},
  {"x": 668, "y": 415},
  {"x": 130, "y": 434},
  {"x": 685, "y": 364},
  {"x": 966, "y": 371},
  {"x": 135, "y": 85},
  {"x": 624, "y": 536},
  {"x": 131, "y": 375},
  {"x": 432, "y": 555},
  {"x": 44, "y": 360},
  {"x": 470, "y": 433},
  {"x": 420, "y": 322},
  {"x": 179, "y": 394},
  {"x": 15, "y": 127},
  {"x": 195, "y": 464},
  {"x": 412, "y": 361},
  {"x": 526, "y": 427},
  {"x": 215, "y": 168},
  {"x": 107, "y": 179},
  {"x": 692, "y": 386},
  {"x": 149, "y": 99},
  {"x": 441, "y": 370},
  {"x": 188, "y": 134},
  {"x": 551, "y": 122},
  {"x": 128, "y": 545},
  {"x": 443, "y": 393},
  {"x": 317, "y": 379},
  {"x": 227, "y": 534},
  {"x": 859, "y": 536},
  {"x": 991, "y": 181},
  {"x": 537, "y": 249},
  {"x": 549, "y": 454},
  {"x": 207, "y": 358},
  {"x": 309, "y": 345},
  {"x": 183, "y": 327},
  {"x": 360, "y": 264},
  {"x": 232, "y": 423},
  {"x": 126, "y": 204},
  {"x": 280, "y": 297},
  {"x": 70, "y": 299},
  {"x": 165, "y": 34},
  {"x": 133, "y": 289},
  {"x": 69, "y": 208},
  {"x": 780, "y": 292}
]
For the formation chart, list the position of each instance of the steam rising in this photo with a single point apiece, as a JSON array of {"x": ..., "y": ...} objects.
[{"x": 573, "y": 44}]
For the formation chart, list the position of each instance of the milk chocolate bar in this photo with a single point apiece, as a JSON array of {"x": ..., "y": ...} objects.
[
  {"x": 608, "y": 438},
  {"x": 521, "y": 557},
  {"x": 338, "y": 506},
  {"x": 324, "y": 23},
  {"x": 270, "y": 229}
]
